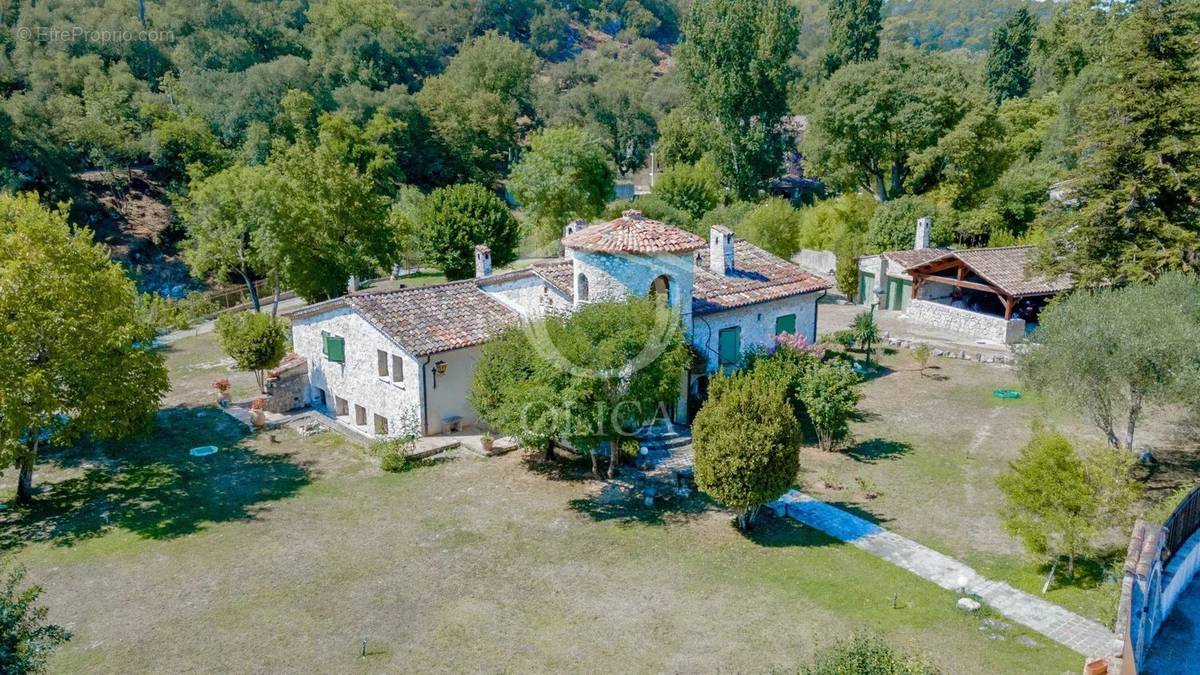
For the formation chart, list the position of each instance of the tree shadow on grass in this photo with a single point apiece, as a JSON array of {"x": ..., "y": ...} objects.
[
  {"x": 877, "y": 449},
  {"x": 560, "y": 469},
  {"x": 628, "y": 508},
  {"x": 774, "y": 532},
  {"x": 153, "y": 487}
]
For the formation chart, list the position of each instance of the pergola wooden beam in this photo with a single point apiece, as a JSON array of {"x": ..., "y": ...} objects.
[{"x": 1007, "y": 300}]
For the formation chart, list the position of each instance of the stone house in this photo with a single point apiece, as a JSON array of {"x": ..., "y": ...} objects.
[
  {"x": 376, "y": 358},
  {"x": 988, "y": 294}
]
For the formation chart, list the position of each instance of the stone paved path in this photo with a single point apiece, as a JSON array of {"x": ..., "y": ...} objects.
[{"x": 1067, "y": 628}]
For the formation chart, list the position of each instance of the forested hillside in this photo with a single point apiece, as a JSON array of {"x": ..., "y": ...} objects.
[{"x": 342, "y": 118}]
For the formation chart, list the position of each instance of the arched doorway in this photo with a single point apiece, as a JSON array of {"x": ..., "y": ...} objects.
[{"x": 660, "y": 289}]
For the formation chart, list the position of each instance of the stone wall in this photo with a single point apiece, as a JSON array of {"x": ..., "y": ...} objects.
[
  {"x": 823, "y": 263},
  {"x": 971, "y": 324},
  {"x": 287, "y": 385},
  {"x": 529, "y": 296},
  {"x": 357, "y": 381}
]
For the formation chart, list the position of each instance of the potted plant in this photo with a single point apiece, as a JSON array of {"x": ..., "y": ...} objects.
[
  {"x": 258, "y": 417},
  {"x": 488, "y": 441},
  {"x": 222, "y": 386}
]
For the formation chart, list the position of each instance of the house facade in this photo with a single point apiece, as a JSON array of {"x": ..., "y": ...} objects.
[{"x": 382, "y": 361}]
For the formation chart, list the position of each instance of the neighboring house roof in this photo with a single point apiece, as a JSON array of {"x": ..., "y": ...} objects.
[
  {"x": 757, "y": 276},
  {"x": 1006, "y": 268},
  {"x": 633, "y": 233}
]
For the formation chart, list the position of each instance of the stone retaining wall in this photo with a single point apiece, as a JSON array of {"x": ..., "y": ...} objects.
[
  {"x": 974, "y": 324},
  {"x": 818, "y": 262}
]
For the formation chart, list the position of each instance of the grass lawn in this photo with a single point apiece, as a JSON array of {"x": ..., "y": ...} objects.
[
  {"x": 933, "y": 443},
  {"x": 282, "y": 554}
]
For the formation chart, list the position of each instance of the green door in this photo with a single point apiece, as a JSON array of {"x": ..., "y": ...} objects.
[
  {"x": 866, "y": 286},
  {"x": 899, "y": 293},
  {"x": 729, "y": 345}
]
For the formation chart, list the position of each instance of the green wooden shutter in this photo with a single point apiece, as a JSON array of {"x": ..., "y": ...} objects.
[
  {"x": 729, "y": 345},
  {"x": 866, "y": 287},
  {"x": 335, "y": 348},
  {"x": 785, "y": 324}
]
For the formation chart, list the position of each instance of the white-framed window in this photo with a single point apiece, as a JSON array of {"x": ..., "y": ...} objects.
[
  {"x": 381, "y": 360},
  {"x": 583, "y": 287}
]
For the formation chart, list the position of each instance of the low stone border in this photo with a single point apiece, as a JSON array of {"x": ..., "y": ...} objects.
[{"x": 978, "y": 357}]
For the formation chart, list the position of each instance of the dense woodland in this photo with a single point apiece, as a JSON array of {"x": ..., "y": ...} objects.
[{"x": 305, "y": 142}]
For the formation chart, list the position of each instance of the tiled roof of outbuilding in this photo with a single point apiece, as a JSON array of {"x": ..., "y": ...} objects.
[
  {"x": 1007, "y": 268},
  {"x": 557, "y": 274},
  {"x": 757, "y": 276},
  {"x": 633, "y": 233},
  {"x": 915, "y": 256}
]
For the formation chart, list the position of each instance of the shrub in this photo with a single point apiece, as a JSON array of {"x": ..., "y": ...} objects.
[
  {"x": 921, "y": 355},
  {"x": 1059, "y": 500},
  {"x": 394, "y": 462},
  {"x": 693, "y": 188},
  {"x": 745, "y": 439},
  {"x": 830, "y": 394},
  {"x": 774, "y": 226},
  {"x": 26, "y": 640},
  {"x": 255, "y": 341},
  {"x": 866, "y": 655},
  {"x": 865, "y": 329}
]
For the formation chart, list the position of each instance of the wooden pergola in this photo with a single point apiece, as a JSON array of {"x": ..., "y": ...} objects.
[{"x": 931, "y": 272}]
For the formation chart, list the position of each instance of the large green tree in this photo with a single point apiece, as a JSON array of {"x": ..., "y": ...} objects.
[
  {"x": 1130, "y": 211},
  {"x": 1114, "y": 352},
  {"x": 456, "y": 219},
  {"x": 228, "y": 217},
  {"x": 474, "y": 105},
  {"x": 854, "y": 27},
  {"x": 591, "y": 378},
  {"x": 735, "y": 62},
  {"x": 871, "y": 119},
  {"x": 1009, "y": 70},
  {"x": 77, "y": 357},
  {"x": 339, "y": 224},
  {"x": 746, "y": 440},
  {"x": 564, "y": 175}
]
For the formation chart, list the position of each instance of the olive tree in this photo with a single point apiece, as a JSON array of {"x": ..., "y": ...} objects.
[
  {"x": 745, "y": 439},
  {"x": 1113, "y": 352},
  {"x": 591, "y": 378}
]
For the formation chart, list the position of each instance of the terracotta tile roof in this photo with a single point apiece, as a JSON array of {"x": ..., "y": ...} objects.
[
  {"x": 427, "y": 319},
  {"x": 558, "y": 274},
  {"x": 757, "y": 276},
  {"x": 1008, "y": 269},
  {"x": 633, "y": 233},
  {"x": 915, "y": 256}
]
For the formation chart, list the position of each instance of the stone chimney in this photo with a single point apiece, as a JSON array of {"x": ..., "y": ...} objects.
[
  {"x": 570, "y": 229},
  {"x": 924, "y": 226},
  {"x": 720, "y": 250},
  {"x": 483, "y": 261}
]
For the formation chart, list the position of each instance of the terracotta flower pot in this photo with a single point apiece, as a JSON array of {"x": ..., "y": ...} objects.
[
  {"x": 488, "y": 443},
  {"x": 258, "y": 417},
  {"x": 224, "y": 399}
]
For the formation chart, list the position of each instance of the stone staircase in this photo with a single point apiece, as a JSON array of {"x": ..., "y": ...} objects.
[{"x": 668, "y": 447}]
